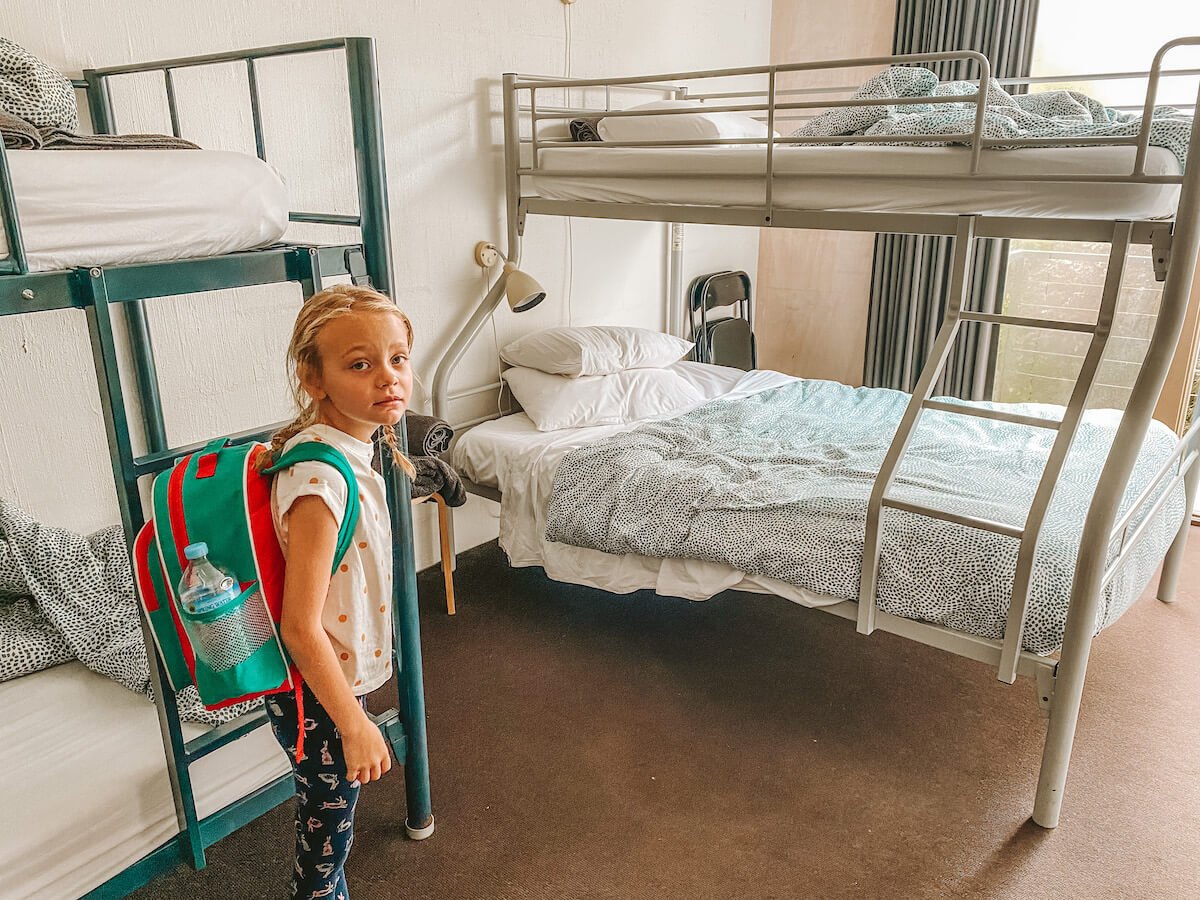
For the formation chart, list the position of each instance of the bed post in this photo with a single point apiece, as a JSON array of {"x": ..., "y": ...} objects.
[
  {"x": 366, "y": 120},
  {"x": 91, "y": 284},
  {"x": 1168, "y": 580},
  {"x": 1098, "y": 526}
]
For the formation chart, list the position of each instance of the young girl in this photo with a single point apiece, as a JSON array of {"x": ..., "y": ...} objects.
[{"x": 349, "y": 356}]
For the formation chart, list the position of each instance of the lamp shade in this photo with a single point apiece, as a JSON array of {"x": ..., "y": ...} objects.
[{"x": 522, "y": 291}]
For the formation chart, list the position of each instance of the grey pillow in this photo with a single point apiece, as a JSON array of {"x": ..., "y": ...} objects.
[{"x": 35, "y": 91}]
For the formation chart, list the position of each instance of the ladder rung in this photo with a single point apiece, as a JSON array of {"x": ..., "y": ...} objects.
[
  {"x": 1026, "y": 322},
  {"x": 226, "y": 733},
  {"x": 1000, "y": 415},
  {"x": 969, "y": 521},
  {"x": 164, "y": 459}
]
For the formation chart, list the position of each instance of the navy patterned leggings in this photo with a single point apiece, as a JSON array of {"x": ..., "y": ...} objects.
[{"x": 325, "y": 800}]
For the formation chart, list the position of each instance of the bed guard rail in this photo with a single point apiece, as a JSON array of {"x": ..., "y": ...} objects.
[{"x": 772, "y": 105}]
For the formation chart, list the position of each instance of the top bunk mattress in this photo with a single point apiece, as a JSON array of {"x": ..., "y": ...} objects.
[
  {"x": 116, "y": 207},
  {"x": 825, "y": 178}
]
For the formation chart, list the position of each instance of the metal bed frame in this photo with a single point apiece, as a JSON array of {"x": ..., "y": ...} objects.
[
  {"x": 95, "y": 290},
  {"x": 1175, "y": 244}
]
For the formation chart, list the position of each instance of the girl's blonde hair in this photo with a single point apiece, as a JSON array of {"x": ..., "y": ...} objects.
[{"x": 304, "y": 358}]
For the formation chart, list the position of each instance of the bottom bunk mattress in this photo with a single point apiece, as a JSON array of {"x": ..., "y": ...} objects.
[
  {"x": 764, "y": 487},
  {"x": 116, "y": 207},
  {"x": 85, "y": 784}
]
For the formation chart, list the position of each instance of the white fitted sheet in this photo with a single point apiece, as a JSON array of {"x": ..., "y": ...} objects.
[
  {"x": 114, "y": 207},
  {"x": 85, "y": 784},
  {"x": 512, "y": 455},
  {"x": 815, "y": 178}
]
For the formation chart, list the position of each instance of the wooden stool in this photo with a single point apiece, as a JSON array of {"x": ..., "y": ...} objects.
[{"x": 443, "y": 513}]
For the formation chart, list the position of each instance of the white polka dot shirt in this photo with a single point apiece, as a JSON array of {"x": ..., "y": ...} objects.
[{"x": 358, "y": 610}]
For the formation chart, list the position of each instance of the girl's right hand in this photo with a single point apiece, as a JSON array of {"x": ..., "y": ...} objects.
[{"x": 367, "y": 757}]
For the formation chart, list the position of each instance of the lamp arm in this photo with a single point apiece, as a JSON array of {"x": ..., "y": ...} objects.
[{"x": 448, "y": 362}]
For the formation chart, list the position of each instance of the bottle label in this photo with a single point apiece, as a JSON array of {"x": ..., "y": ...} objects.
[{"x": 206, "y": 602}]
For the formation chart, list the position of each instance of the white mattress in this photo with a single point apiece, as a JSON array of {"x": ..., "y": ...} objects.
[
  {"x": 815, "y": 178},
  {"x": 85, "y": 784},
  {"x": 113, "y": 207},
  {"x": 512, "y": 455}
]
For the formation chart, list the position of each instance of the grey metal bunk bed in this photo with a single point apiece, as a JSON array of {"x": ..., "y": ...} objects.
[
  {"x": 97, "y": 289},
  {"x": 1174, "y": 240}
]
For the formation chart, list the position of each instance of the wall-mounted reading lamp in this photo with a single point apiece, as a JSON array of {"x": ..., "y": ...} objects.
[{"x": 521, "y": 291}]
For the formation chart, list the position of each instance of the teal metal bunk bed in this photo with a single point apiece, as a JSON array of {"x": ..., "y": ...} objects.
[{"x": 98, "y": 290}]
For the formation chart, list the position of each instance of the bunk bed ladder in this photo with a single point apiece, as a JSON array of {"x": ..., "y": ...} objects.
[{"x": 1028, "y": 533}]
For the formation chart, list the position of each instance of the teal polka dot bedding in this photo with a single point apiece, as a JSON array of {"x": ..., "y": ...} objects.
[{"x": 776, "y": 484}]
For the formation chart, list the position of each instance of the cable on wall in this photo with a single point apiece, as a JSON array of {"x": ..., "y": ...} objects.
[
  {"x": 487, "y": 286},
  {"x": 568, "y": 46}
]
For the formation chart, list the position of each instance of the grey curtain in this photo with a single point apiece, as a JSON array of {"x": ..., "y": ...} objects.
[{"x": 912, "y": 272}]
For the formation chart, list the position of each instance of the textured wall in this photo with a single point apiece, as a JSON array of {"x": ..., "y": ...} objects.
[{"x": 222, "y": 356}]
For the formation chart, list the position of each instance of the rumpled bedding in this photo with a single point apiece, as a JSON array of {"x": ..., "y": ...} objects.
[
  {"x": 64, "y": 596},
  {"x": 776, "y": 484},
  {"x": 1061, "y": 114}
]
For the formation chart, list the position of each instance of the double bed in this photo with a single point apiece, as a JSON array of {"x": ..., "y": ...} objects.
[{"x": 944, "y": 573}]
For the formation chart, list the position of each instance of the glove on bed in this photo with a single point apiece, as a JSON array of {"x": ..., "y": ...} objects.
[
  {"x": 436, "y": 476},
  {"x": 427, "y": 436}
]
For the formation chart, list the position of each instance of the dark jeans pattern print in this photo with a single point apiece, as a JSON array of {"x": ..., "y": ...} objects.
[{"x": 325, "y": 800}]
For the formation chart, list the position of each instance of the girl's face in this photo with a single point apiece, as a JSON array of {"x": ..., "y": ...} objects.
[{"x": 366, "y": 378}]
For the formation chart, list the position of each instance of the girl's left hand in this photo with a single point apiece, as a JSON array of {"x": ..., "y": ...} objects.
[{"x": 367, "y": 757}]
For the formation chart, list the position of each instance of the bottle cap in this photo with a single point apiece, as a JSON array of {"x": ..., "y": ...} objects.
[{"x": 195, "y": 551}]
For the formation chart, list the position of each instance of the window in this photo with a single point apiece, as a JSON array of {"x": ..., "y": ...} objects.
[{"x": 1059, "y": 279}]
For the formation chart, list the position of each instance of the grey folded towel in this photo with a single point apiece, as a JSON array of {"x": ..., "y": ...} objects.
[
  {"x": 21, "y": 135},
  {"x": 59, "y": 139},
  {"x": 436, "y": 476},
  {"x": 427, "y": 435},
  {"x": 18, "y": 134},
  {"x": 585, "y": 130}
]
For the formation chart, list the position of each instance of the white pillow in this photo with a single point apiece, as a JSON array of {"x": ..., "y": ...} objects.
[
  {"x": 595, "y": 350},
  {"x": 554, "y": 401},
  {"x": 701, "y": 126}
]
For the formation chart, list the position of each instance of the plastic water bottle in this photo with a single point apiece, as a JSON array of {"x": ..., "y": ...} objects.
[
  {"x": 225, "y": 626},
  {"x": 204, "y": 589}
]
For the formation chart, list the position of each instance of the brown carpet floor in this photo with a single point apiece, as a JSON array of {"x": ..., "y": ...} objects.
[{"x": 585, "y": 745}]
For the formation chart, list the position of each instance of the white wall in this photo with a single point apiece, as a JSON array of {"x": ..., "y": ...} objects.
[{"x": 221, "y": 357}]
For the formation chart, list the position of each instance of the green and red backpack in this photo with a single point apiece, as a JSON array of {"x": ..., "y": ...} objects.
[{"x": 220, "y": 498}]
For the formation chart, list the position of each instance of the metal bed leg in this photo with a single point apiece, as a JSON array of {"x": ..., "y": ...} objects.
[
  {"x": 1168, "y": 581},
  {"x": 407, "y": 657},
  {"x": 104, "y": 355},
  {"x": 1064, "y": 715}
]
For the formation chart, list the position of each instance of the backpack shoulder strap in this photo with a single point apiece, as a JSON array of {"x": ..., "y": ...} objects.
[{"x": 318, "y": 451}]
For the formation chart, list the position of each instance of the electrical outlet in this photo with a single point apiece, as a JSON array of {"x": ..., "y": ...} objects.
[{"x": 486, "y": 254}]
